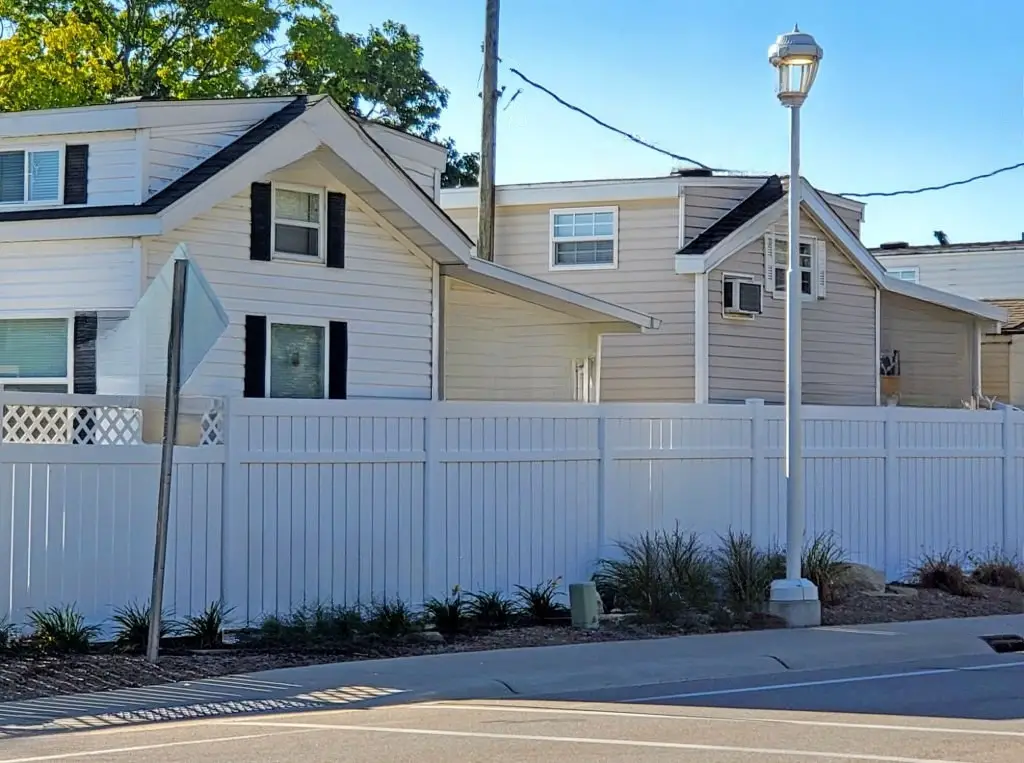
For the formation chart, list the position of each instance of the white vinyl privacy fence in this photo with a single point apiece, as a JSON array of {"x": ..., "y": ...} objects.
[{"x": 285, "y": 502}]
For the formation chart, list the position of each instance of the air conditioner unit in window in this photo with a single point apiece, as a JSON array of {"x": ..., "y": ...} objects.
[{"x": 742, "y": 298}]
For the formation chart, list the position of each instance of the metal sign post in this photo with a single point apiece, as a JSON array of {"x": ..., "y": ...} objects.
[{"x": 163, "y": 507}]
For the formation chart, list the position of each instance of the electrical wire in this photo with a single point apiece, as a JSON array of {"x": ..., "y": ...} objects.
[
  {"x": 605, "y": 125},
  {"x": 681, "y": 158},
  {"x": 928, "y": 188}
]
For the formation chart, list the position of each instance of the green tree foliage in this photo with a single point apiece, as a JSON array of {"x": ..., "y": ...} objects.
[{"x": 56, "y": 53}]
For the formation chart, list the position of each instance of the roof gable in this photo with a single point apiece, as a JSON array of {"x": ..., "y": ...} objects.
[{"x": 766, "y": 195}]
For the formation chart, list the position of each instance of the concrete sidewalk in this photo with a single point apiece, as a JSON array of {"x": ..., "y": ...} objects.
[{"x": 519, "y": 672}]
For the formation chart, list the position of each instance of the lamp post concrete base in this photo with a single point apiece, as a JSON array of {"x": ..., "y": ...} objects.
[{"x": 796, "y": 602}]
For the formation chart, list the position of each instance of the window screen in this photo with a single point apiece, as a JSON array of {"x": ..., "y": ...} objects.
[
  {"x": 297, "y": 361},
  {"x": 34, "y": 348}
]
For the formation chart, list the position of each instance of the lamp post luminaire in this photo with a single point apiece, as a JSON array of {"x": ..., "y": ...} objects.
[{"x": 795, "y": 56}]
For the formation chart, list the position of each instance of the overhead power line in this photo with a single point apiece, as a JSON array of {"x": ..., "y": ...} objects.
[
  {"x": 605, "y": 125},
  {"x": 681, "y": 158},
  {"x": 942, "y": 187}
]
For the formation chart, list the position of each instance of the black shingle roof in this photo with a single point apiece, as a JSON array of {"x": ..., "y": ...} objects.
[
  {"x": 756, "y": 203},
  {"x": 187, "y": 182}
]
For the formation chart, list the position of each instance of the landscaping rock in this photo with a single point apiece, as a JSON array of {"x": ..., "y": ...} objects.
[
  {"x": 860, "y": 578},
  {"x": 426, "y": 637}
]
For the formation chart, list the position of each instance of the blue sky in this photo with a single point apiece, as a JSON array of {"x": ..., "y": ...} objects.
[{"x": 910, "y": 93}]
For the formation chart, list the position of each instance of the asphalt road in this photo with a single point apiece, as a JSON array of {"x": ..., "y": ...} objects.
[{"x": 955, "y": 712}]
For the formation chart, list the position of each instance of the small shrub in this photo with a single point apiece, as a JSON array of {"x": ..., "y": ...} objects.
[
  {"x": 745, "y": 572},
  {"x": 207, "y": 628},
  {"x": 447, "y": 615},
  {"x": 62, "y": 630},
  {"x": 316, "y": 624},
  {"x": 824, "y": 564},
  {"x": 998, "y": 571},
  {"x": 540, "y": 603},
  {"x": 660, "y": 576},
  {"x": 390, "y": 619},
  {"x": 942, "y": 572},
  {"x": 8, "y": 635},
  {"x": 132, "y": 634},
  {"x": 492, "y": 610}
]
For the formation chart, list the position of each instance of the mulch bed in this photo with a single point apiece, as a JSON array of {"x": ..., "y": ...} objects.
[
  {"x": 925, "y": 604},
  {"x": 32, "y": 676}
]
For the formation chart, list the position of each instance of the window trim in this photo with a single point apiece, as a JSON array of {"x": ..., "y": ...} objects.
[
  {"x": 321, "y": 323},
  {"x": 740, "y": 316},
  {"x": 815, "y": 273},
  {"x": 69, "y": 379},
  {"x": 321, "y": 258},
  {"x": 905, "y": 269},
  {"x": 552, "y": 241},
  {"x": 37, "y": 148}
]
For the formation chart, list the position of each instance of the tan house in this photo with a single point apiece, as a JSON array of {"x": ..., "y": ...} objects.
[
  {"x": 987, "y": 270},
  {"x": 707, "y": 255}
]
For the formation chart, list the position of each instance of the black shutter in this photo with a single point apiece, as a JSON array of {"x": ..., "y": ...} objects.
[
  {"x": 84, "y": 332},
  {"x": 335, "y": 230},
  {"x": 76, "y": 174},
  {"x": 255, "y": 356},
  {"x": 337, "y": 374},
  {"x": 260, "y": 220}
]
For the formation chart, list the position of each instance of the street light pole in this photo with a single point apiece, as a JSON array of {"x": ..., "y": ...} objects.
[{"x": 795, "y": 55}]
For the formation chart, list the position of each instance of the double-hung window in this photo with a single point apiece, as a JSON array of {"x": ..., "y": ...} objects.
[
  {"x": 298, "y": 231},
  {"x": 297, "y": 361},
  {"x": 35, "y": 355},
  {"x": 584, "y": 238},
  {"x": 812, "y": 254},
  {"x": 905, "y": 274},
  {"x": 31, "y": 176}
]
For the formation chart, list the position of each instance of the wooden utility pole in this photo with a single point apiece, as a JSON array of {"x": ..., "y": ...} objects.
[{"x": 488, "y": 142}]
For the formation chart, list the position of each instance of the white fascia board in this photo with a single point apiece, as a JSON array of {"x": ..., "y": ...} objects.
[
  {"x": 689, "y": 264},
  {"x": 30, "y": 124},
  {"x": 573, "y": 194},
  {"x": 835, "y": 227},
  {"x": 126, "y": 226},
  {"x": 946, "y": 299},
  {"x": 495, "y": 277},
  {"x": 750, "y": 231},
  {"x": 209, "y": 110},
  {"x": 349, "y": 140},
  {"x": 412, "y": 146}
]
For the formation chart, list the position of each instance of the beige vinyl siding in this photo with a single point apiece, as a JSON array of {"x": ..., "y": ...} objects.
[
  {"x": 849, "y": 216},
  {"x": 995, "y": 368},
  {"x": 501, "y": 348},
  {"x": 747, "y": 357},
  {"x": 383, "y": 292},
  {"x": 706, "y": 205},
  {"x": 1017, "y": 370},
  {"x": 655, "y": 367},
  {"x": 980, "y": 275},
  {"x": 935, "y": 350}
]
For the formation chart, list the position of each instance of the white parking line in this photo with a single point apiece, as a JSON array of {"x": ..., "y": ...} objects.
[
  {"x": 144, "y": 747},
  {"x": 822, "y": 682},
  {"x": 530, "y": 709},
  {"x": 595, "y": 741}
]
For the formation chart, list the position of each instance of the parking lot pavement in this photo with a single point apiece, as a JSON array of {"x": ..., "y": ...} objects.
[{"x": 966, "y": 713}]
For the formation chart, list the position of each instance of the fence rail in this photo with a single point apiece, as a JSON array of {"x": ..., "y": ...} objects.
[{"x": 353, "y": 500}]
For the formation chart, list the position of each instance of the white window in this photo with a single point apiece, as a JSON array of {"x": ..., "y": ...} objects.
[
  {"x": 741, "y": 296},
  {"x": 35, "y": 355},
  {"x": 813, "y": 257},
  {"x": 31, "y": 176},
  {"x": 297, "y": 361},
  {"x": 906, "y": 274},
  {"x": 298, "y": 233},
  {"x": 584, "y": 238},
  {"x": 584, "y": 379}
]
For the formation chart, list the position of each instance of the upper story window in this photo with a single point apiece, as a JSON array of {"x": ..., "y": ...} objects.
[
  {"x": 906, "y": 274},
  {"x": 31, "y": 176},
  {"x": 298, "y": 232},
  {"x": 813, "y": 257},
  {"x": 584, "y": 238}
]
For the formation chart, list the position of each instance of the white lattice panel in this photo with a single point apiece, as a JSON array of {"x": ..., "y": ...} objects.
[
  {"x": 71, "y": 425},
  {"x": 212, "y": 428}
]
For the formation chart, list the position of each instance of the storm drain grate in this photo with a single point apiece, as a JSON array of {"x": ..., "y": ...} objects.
[{"x": 1005, "y": 643}]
